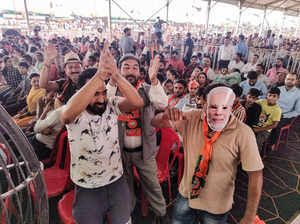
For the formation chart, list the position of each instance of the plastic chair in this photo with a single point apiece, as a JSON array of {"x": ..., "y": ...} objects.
[
  {"x": 56, "y": 178},
  {"x": 168, "y": 138},
  {"x": 53, "y": 153},
  {"x": 65, "y": 209},
  {"x": 287, "y": 130}
]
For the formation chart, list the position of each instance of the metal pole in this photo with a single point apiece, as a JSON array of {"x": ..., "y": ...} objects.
[
  {"x": 283, "y": 21},
  {"x": 207, "y": 16},
  {"x": 167, "y": 19},
  {"x": 109, "y": 20},
  {"x": 263, "y": 22},
  {"x": 127, "y": 14},
  {"x": 27, "y": 16},
  {"x": 240, "y": 16}
]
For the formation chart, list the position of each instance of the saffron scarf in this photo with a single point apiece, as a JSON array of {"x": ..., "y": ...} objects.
[
  {"x": 202, "y": 166},
  {"x": 132, "y": 119},
  {"x": 171, "y": 105}
]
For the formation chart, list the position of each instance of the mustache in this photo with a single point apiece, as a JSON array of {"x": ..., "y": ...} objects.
[
  {"x": 99, "y": 104},
  {"x": 130, "y": 76},
  {"x": 74, "y": 73}
]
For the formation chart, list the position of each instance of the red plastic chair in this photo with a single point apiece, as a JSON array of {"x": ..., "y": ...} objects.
[
  {"x": 56, "y": 178},
  {"x": 53, "y": 153},
  {"x": 287, "y": 130},
  {"x": 168, "y": 138},
  {"x": 65, "y": 208}
]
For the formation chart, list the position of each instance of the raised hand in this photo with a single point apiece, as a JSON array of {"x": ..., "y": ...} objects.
[
  {"x": 107, "y": 66},
  {"x": 174, "y": 114},
  {"x": 153, "y": 70},
  {"x": 50, "y": 53}
]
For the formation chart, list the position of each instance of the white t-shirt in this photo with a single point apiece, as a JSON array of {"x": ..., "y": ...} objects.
[
  {"x": 94, "y": 145},
  {"x": 233, "y": 64}
]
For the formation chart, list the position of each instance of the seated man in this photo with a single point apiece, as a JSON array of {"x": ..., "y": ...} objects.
[
  {"x": 91, "y": 118},
  {"x": 289, "y": 103},
  {"x": 269, "y": 117},
  {"x": 16, "y": 100},
  {"x": 177, "y": 99},
  {"x": 238, "y": 110},
  {"x": 253, "y": 82},
  {"x": 236, "y": 63},
  {"x": 281, "y": 80},
  {"x": 46, "y": 129},
  {"x": 253, "y": 109},
  {"x": 228, "y": 78},
  {"x": 11, "y": 76}
]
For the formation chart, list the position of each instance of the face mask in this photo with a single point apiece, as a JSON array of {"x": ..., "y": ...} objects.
[{"x": 228, "y": 99}]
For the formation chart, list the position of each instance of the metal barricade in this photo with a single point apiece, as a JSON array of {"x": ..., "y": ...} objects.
[{"x": 19, "y": 167}]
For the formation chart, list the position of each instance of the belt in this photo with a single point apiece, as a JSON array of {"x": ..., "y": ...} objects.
[{"x": 137, "y": 149}]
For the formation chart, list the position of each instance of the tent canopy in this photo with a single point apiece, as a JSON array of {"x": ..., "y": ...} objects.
[{"x": 289, "y": 7}]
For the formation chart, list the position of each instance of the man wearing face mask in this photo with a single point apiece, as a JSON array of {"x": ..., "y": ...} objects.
[
  {"x": 137, "y": 135},
  {"x": 91, "y": 118},
  {"x": 215, "y": 143},
  {"x": 66, "y": 88},
  {"x": 272, "y": 72}
]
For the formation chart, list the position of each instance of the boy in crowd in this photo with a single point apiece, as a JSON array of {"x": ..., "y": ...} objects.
[
  {"x": 253, "y": 109},
  {"x": 238, "y": 110},
  {"x": 269, "y": 117}
]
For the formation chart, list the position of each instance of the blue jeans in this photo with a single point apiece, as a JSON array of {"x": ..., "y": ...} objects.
[{"x": 183, "y": 214}]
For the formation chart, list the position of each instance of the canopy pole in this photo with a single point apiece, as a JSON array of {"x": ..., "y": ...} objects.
[
  {"x": 167, "y": 19},
  {"x": 27, "y": 17},
  {"x": 109, "y": 20},
  {"x": 207, "y": 16},
  {"x": 238, "y": 29},
  {"x": 263, "y": 22},
  {"x": 283, "y": 21}
]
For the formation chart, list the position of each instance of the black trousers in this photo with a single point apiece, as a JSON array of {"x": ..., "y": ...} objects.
[
  {"x": 40, "y": 149},
  {"x": 276, "y": 131}
]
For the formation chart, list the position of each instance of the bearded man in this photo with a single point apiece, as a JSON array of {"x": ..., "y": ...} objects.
[{"x": 137, "y": 136}]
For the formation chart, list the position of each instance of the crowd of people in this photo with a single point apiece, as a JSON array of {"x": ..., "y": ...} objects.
[{"x": 111, "y": 97}]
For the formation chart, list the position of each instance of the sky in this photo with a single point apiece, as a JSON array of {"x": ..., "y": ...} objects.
[{"x": 179, "y": 11}]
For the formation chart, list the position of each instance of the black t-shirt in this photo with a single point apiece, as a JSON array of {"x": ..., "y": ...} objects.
[
  {"x": 189, "y": 43},
  {"x": 252, "y": 114}
]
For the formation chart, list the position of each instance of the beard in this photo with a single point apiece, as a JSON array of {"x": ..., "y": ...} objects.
[
  {"x": 97, "y": 110},
  {"x": 132, "y": 79},
  {"x": 217, "y": 126}
]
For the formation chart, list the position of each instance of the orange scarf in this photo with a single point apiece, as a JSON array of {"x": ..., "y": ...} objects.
[
  {"x": 175, "y": 101},
  {"x": 202, "y": 166},
  {"x": 132, "y": 119}
]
